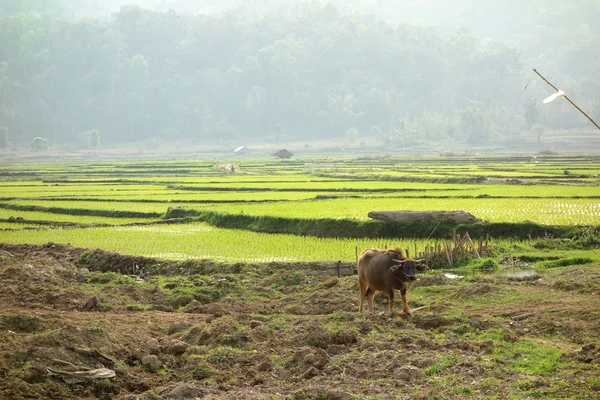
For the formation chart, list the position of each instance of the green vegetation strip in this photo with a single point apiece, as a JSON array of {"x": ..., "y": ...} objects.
[
  {"x": 78, "y": 211},
  {"x": 202, "y": 241},
  {"x": 348, "y": 228},
  {"x": 292, "y": 189}
]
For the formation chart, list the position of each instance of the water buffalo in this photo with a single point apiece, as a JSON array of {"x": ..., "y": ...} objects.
[{"x": 385, "y": 270}]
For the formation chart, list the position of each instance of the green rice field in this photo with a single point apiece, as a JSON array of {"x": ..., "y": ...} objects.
[{"x": 57, "y": 202}]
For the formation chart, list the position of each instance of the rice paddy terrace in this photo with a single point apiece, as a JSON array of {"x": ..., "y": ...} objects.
[{"x": 288, "y": 210}]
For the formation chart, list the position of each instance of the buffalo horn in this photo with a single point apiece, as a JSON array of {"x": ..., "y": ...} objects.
[{"x": 397, "y": 261}]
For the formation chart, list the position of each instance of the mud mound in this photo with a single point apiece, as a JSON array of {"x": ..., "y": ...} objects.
[
  {"x": 57, "y": 252},
  {"x": 430, "y": 322},
  {"x": 577, "y": 279},
  {"x": 107, "y": 261},
  {"x": 224, "y": 330},
  {"x": 307, "y": 362},
  {"x": 589, "y": 354},
  {"x": 38, "y": 278},
  {"x": 182, "y": 390},
  {"x": 5, "y": 256},
  {"x": 319, "y": 336},
  {"x": 320, "y": 303}
]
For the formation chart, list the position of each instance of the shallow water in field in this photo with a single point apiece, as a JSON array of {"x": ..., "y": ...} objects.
[{"x": 518, "y": 273}]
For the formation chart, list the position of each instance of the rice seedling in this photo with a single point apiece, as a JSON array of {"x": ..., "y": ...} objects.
[{"x": 198, "y": 241}]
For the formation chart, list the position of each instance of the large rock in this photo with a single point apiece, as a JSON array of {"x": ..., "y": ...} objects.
[{"x": 459, "y": 217}]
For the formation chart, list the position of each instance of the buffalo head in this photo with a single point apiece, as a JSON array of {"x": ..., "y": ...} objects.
[{"x": 405, "y": 269}]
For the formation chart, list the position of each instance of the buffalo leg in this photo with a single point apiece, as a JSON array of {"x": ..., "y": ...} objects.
[
  {"x": 390, "y": 294},
  {"x": 370, "y": 294},
  {"x": 404, "y": 301},
  {"x": 363, "y": 293}
]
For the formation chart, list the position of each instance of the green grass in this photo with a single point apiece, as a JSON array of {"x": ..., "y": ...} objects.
[
  {"x": 564, "y": 262},
  {"x": 198, "y": 240},
  {"x": 439, "y": 366},
  {"x": 521, "y": 355}
]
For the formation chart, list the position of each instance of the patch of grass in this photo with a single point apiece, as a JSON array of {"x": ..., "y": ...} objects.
[
  {"x": 201, "y": 372},
  {"x": 463, "y": 390},
  {"x": 531, "y": 358},
  {"x": 593, "y": 382},
  {"x": 279, "y": 323},
  {"x": 204, "y": 289},
  {"x": 224, "y": 356},
  {"x": 497, "y": 336},
  {"x": 332, "y": 333},
  {"x": 150, "y": 395},
  {"x": 20, "y": 323},
  {"x": 462, "y": 329},
  {"x": 438, "y": 367},
  {"x": 564, "y": 262},
  {"x": 287, "y": 278},
  {"x": 520, "y": 355},
  {"x": 135, "y": 307},
  {"x": 181, "y": 298},
  {"x": 96, "y": 330},
  {"x": 341, "y": 316},
  {"x": 108, "y": 278}
]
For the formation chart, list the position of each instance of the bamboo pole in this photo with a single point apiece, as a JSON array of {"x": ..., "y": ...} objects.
[
  {"x": 568, "y": 99},
  {"x": 449, "y": 253},
  {"x": 473, "y": 246}
]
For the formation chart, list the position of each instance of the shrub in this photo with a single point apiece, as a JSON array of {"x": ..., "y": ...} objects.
[{"x": 487, "y": 264}]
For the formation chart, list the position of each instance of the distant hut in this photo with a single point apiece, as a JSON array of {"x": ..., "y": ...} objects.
[{"x": 283, "y": 153}]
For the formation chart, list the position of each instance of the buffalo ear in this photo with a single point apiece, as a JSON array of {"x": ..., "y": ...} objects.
[{"x": 421, "y": 266}]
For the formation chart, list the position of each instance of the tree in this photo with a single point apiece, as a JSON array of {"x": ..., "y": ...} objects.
[
  {"x": 94, "y": 138},
  {"x": 538, "y": 130},
  {"x": 531, "y": 112},
  {"x": 3, "y": 137},
  {"x": 316, "y": 67},
  {"x": 278, "y": 128},
  {"x": 475, "y": 123},
  {"x": 39, "y": 144},
  {"x": 352, "y": 134}
]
